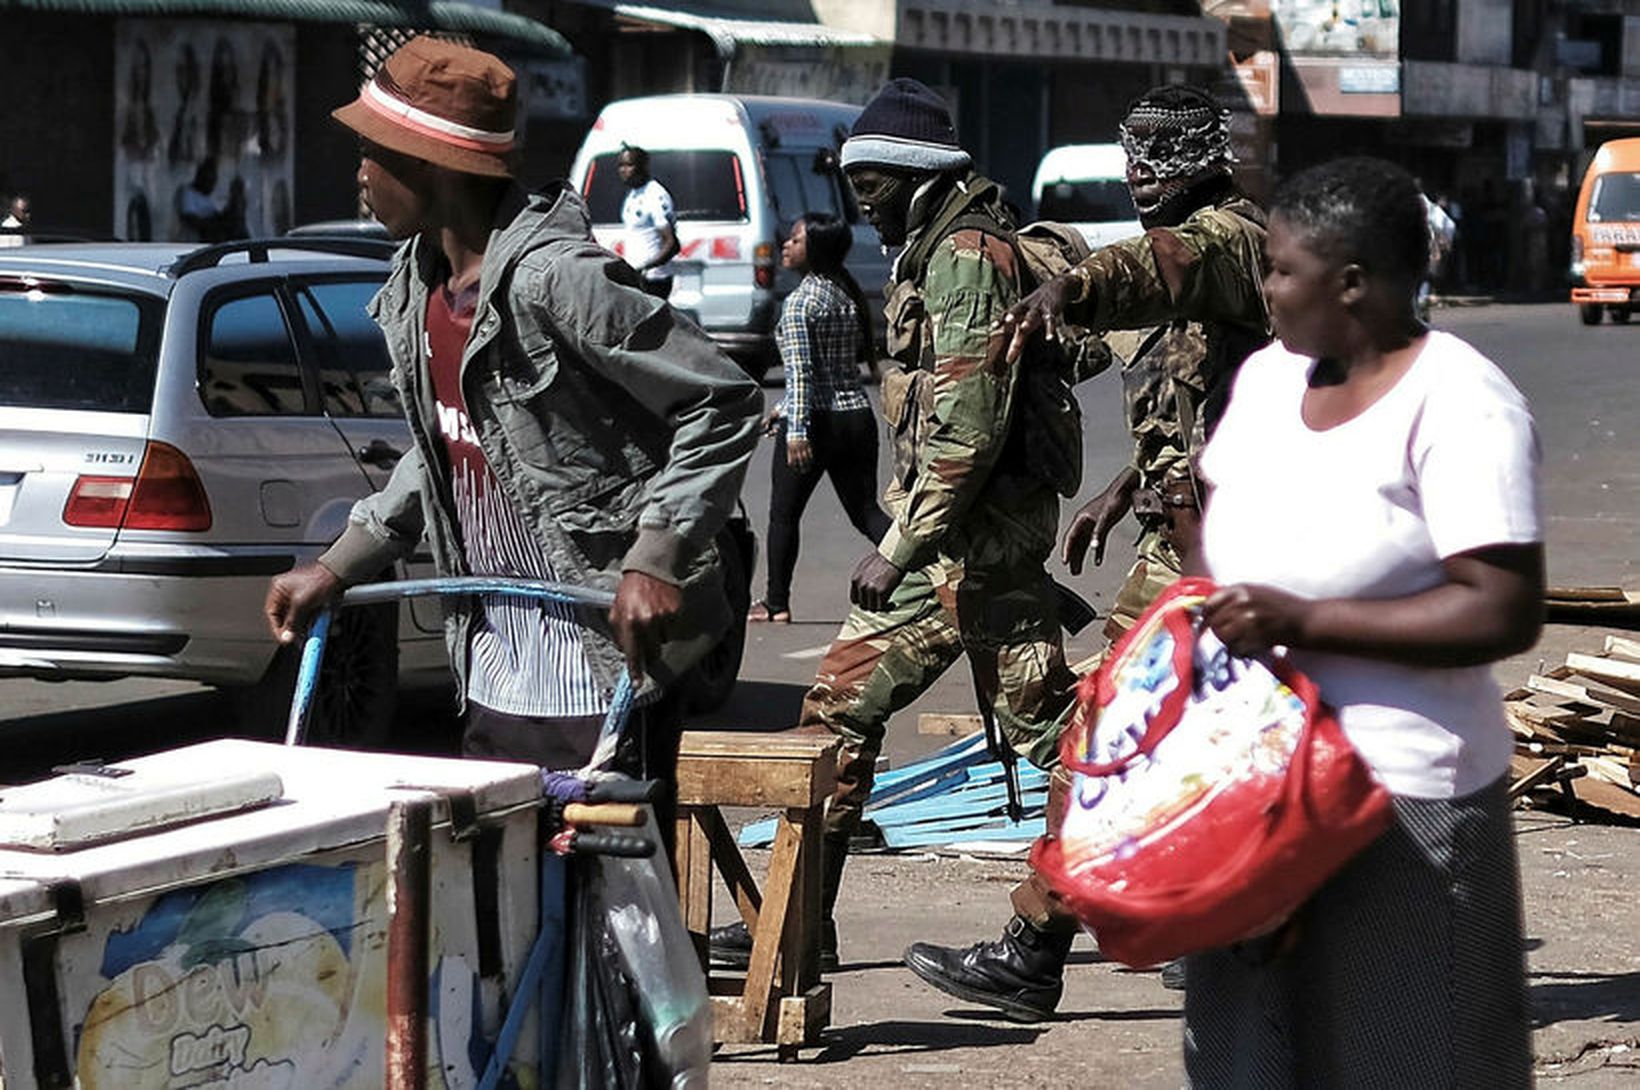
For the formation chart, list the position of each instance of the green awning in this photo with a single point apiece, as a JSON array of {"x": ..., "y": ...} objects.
[{"x": 525, "y": 34}]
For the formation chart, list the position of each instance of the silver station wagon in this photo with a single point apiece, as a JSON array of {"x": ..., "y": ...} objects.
[
  {"x": 177, "y": 424},
  {"x": 180, "y": 423}
]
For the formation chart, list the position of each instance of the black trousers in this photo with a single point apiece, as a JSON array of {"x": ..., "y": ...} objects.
[{"x": 845, "y": 449}]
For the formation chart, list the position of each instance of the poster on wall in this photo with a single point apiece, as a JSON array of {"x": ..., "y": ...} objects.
[
  {"x": 1339, "y": 26},
  {"x": 203, "y": 125}
]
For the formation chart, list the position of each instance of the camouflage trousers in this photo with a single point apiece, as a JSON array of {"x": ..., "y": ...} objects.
[
  {"x": 1152, "y": 572},
  {"x": 1005, "y": 621}
]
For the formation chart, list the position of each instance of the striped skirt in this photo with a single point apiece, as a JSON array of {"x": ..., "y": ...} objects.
[{"x": 1404, "y": 971}]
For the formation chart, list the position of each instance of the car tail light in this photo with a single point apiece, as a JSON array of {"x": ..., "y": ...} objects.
[
  {"x": 166, "y": 494},
  {"x": 763, "y": 265}
]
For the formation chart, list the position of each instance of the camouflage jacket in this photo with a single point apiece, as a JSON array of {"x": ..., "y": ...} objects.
[
  {"x": 949, "y": 402},
  {"x": 1194, "y": 295}
]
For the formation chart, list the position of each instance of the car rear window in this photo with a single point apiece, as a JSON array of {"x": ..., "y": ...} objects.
[
  {"x": 799, "y": 184},
  {"x": 705, "y": 185},
  {"x": 61, "y": 348},
  {"x": 1616, "y": 199},
  {"x": 1100, "y": 200}
]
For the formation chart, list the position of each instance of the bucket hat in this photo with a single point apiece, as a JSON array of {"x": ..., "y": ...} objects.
[{"x": 448, "y": 104}]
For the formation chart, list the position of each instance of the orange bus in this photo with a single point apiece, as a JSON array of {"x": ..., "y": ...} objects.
[{"x": 1606, "y": 234}]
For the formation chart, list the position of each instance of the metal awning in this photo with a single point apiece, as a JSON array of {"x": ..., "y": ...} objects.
[
  {"x": 526, "y": 34},
  {"x": 728, "y": 30}
]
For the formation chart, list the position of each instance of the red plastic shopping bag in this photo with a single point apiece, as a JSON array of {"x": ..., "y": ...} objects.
[{"x": 1211, "y": 794}]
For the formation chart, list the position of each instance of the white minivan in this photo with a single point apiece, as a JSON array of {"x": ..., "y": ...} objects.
[
  {"x": 741, "y": 169},
  {"x": 1086, "y": 185}
]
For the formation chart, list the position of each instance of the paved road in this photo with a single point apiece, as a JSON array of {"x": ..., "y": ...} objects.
[{"x": 1121, "y": 1027}]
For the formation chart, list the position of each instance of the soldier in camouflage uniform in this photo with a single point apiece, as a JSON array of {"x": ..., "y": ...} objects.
[
  {"x": 1191, "y": 288},
  {"x": 961, "y": 570}
]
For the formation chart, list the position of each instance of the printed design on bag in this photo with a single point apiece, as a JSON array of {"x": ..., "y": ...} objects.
[{"x": 1238, "y": 723}]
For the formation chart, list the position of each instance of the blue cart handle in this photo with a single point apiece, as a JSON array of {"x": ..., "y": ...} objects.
[{"x": 313, "y": 650}]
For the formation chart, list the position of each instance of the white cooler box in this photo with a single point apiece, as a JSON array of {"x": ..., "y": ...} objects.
[{"x": 244, "y": 943}]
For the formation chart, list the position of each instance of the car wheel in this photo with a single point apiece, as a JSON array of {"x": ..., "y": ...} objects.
[
  {"x": 1589, "y": 313},
  {"x": 707, "y": 685},
  {"x": 1620, "y": 315},
  {"x": 357, "y": 694}
]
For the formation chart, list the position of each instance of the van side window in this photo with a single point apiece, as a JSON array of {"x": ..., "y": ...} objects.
[
  {"x": 352, "y": 353},
  {"x": 249, "y": 364},
  {"x": 705, "y": 185},
  {"x": 797, "y": 188}
]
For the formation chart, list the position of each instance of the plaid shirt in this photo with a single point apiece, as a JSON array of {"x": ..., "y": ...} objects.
[{"x": 819, "y": 341}]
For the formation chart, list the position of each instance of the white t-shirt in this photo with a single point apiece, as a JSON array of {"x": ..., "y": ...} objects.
[
  {"x": 646, "y": 210},
  {"x": 1444, "y": 463}
]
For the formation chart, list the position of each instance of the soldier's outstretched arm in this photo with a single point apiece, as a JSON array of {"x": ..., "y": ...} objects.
[
  {"x": 970, "y": 283},
  {"x": 1205, "y": 269}
]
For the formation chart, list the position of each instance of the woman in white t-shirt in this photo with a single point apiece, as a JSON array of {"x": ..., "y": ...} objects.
[{"x": 1374, "y": 511}]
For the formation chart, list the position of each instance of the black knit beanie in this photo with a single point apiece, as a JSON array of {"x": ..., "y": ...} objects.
[{"x": 905, "y": 127}]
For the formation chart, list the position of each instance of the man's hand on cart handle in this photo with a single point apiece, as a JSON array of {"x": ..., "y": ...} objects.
[
  {"x": 296, "y": 597},
  {"x": 644, "y": 608}
]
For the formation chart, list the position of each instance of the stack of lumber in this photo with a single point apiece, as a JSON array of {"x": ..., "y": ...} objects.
[
  {"x": 1592, "y": 605},
  {"x": 1577, "y": 728}
]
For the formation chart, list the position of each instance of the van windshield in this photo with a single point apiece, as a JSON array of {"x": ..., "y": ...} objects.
[
  {"x": 1095, "y": 200},
  {"x": 705, "y": 185},
  {"x": 65, "y": 349},
  {"x": 1616, "y": 198}
]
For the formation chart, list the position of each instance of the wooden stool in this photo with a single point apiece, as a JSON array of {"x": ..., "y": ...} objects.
[{"x": 781, "y": 1000}]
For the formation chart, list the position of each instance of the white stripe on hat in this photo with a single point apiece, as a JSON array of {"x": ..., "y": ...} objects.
[{"x": 419, "y": 118}]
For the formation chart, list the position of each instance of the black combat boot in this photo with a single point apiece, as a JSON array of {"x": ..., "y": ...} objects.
[
  {"x": 1022, "y": 974},
  {"x": 731, "y": 945}
]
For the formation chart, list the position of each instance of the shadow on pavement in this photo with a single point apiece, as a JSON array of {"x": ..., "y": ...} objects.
[
  {"x": 899, "y": 1038},
  {"x": 1574, "y": 996}
]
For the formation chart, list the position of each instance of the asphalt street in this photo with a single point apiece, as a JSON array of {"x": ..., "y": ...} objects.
[{"x": 1118, "y": 1028}]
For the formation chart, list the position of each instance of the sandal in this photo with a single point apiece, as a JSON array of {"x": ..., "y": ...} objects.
[{"x": 761, "y": 612}]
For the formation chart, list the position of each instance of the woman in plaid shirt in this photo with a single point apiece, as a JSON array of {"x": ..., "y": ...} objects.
[{"x": 824, "y": 424}]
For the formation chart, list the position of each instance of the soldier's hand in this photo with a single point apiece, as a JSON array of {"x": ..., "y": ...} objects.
[
  {"x": 295, "y": 597},
  {"x": 1039, "y": 310},
  {"x": 771, "y": 420},
  {"x": 644, "y": 609},
  {"x": 799, "y": 454},
  {"x": 1093, "y": 523},
  {"x": 874, "y": 581}
]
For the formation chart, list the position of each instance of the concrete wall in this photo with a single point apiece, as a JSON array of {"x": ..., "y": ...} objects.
[
  {"x": 1434, "y": 89},
  {"x": 1485, "y": 31}
]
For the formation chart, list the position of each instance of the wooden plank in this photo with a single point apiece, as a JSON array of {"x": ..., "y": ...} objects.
[
  {"x": 729, "y": 1021},
  {"x": 1585, "y": 594},
  {"x": 1584, "y": 693},
  {"x": 1614, "y": 672},
  {"x": 800, "y": 938},
  {"x": 1623, "y": 647},
  {"x": 1606, "y": 796},
  {"x": 694, "y": 865},
  {"x": 766, "y": 940},
  {"x": 732, "y": 867},
  {"x": 952, "y": 724},
  {"x": 1539, "y": 772},
  {"x": 1538, "y": 715},
  {"x": 752, "y": 781},
  {"x": 803, "y": 1017}
]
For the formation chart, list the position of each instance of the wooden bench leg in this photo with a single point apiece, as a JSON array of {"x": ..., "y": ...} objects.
[
  {"x": 732, "y": 866},
  {"x": 694, "y": 875},
  {"x": 772, "y": 921}
]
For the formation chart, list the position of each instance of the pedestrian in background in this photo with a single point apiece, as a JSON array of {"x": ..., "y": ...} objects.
[
  {"x": 14, "y": 227},
  {"x": 823, "y": 425},
  {"x": 567, "y": 427},
  {"x": 650, "y": 221},
  {"x": 1374, "y": 512}
]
